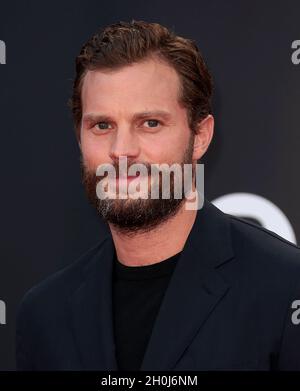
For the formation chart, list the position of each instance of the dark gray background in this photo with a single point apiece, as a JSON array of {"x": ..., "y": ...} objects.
[{"x": 46, "y": 221}]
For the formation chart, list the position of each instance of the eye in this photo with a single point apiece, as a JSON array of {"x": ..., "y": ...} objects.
[
  {"x": 152, "y": 123},
  {"x": 102, "y": 125}
]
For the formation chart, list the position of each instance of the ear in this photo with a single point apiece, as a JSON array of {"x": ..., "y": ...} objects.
[
  {"x": 203, "y": 137},
  {"x": 78, "y": 137}
]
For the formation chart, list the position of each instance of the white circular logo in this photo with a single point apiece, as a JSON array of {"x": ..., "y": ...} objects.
[{"x": 258, "y": 208}]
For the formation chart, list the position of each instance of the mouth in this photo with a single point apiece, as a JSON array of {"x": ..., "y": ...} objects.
[{"x": 129, "y": 178}]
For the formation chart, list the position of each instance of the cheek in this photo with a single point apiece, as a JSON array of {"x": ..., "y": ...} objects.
[
  {"x": 94, "y": 152},
  {"x": 170, "y": 149}
]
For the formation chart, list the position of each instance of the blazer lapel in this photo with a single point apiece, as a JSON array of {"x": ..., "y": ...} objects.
[
  {"x": 194, "y": 290},
  {"x": 91, "y": 312}
]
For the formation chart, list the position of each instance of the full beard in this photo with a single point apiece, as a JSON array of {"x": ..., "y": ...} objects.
[{"x": 130, "y": 216}]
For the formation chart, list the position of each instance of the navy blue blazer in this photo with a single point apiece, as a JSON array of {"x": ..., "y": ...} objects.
[{"x": 228, "y": 306}]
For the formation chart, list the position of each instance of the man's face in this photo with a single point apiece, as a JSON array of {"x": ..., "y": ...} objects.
[{"x": 133, "y": 112}]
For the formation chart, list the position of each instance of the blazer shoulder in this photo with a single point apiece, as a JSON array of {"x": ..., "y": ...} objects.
[
  {"x": 263, "y": 244},
  {"x": 60, "y": 283}
]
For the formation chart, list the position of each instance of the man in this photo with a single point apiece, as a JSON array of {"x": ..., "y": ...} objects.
[{"x": 171, "y": 287}]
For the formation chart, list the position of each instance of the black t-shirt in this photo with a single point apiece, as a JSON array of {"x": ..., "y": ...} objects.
[{"x": 137, "y": 295}]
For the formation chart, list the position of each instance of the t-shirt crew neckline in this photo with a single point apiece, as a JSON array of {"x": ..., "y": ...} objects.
[{"x": 155, "y": 270}]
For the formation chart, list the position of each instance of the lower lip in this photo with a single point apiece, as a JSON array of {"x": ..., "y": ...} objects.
[{"x": 129, "y": 179}]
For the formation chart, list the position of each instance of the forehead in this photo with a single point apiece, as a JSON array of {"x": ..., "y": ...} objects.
[{"x": 149, "y": 84}]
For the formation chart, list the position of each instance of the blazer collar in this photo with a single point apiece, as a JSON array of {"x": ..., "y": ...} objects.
[{"x": 194, "y": 284}]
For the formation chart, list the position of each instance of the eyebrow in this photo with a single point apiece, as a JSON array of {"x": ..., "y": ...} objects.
[{"x": 92, "y": 117}]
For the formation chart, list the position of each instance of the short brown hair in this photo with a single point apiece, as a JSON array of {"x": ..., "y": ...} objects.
[{"x": 123, "y": 43}]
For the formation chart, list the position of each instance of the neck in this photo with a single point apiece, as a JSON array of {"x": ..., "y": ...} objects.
[{"x": 156, "y": 245}]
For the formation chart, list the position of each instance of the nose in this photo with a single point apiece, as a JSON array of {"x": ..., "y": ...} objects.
[{"x": 124, "y": 143}]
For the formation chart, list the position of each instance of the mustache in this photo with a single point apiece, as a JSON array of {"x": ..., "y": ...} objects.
[
  {"x": 135, "y": 169},
  {"x": 145, "y": 171},
  {"x": 120, "y": 168}
]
